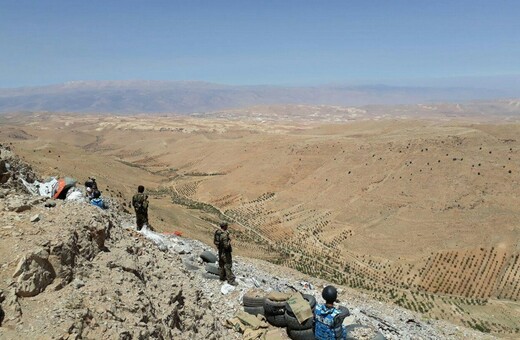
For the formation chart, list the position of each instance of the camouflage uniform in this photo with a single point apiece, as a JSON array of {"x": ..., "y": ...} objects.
[
  {"x": 225, "y": 261},
  {"x": 140, "y": 204},
  {"x": 328, "y": 323}
]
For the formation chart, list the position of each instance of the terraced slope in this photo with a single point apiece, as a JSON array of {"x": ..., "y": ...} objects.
[{"x": 421, "y": 213}]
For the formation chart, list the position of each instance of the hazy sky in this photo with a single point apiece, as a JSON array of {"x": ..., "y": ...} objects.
[{"x": 257, "y": 42}]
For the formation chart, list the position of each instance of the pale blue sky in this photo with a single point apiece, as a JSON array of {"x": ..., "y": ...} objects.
[{"x": 257, "y": 42}]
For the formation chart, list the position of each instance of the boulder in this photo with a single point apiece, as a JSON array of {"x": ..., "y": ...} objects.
[
  {"x": 50, "y": 204},
  {"x": 18, "y": 205},
  {"x": 3, "y": 167},
  {"x": 34, "y": 273},
  {"x": 91, "y": 240},
  {"x": 10, "y": 305},
  {"x": 4, "y": 177},
  {"x": 78, "y": 283}
]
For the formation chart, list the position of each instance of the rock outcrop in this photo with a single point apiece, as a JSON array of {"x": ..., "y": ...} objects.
[
  {"x": 89, "y": 277},
  {"x": 34, "y": 273}
]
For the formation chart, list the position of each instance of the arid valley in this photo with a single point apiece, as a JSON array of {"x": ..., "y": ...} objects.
[{"x": 421, "y": 211}]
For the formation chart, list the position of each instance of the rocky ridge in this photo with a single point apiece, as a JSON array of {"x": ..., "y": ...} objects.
[{"x": 70, "y": 270}]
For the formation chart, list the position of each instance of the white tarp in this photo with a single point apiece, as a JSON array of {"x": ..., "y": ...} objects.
[
  {"x": 32, "y": 188},
  {"x": 74, "y": 194},
  {"x": 165, "y": 243},
  {"x": 47, "y": 189},
  {"x": 226, "y": 288},
  {"x": 159, "y": 240}
]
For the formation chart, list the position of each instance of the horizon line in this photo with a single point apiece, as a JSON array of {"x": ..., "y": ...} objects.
[{"x": 396, "y": 83}]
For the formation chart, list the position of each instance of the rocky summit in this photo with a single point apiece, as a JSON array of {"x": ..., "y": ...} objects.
[{"x": 70, "y": 270}]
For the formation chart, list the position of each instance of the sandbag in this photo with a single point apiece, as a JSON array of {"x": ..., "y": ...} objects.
[
  {"x": 250, "y": 334},
  {"x": 300, "y": 307},
  {"x": 275, "y": 334},
  {"x": 251, "y": 321}
]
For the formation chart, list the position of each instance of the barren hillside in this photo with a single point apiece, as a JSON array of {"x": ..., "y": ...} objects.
[
  {"x": 420, "y": 213},
  {"x": 70, "y": 270}
]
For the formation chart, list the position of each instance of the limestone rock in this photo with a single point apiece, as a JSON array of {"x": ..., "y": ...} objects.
[
  {"x": 18, "y": 205},
  {"x": 4, "y": 174},
  {"x": 50, "y": 204},
  {"x": 34, "y": 273},
  {"x": 10, "y": 306},
  {"x": 77, "y": 283},
  {"x": 3, "y": 167},
  {"x": 4, "y": 177}
]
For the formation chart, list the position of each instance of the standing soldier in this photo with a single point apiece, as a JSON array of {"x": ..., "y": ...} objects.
[
  {"x": 140, "y": 204},
  {"x": 225, "y": 261}
]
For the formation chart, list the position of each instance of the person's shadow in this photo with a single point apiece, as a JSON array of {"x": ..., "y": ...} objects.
[{"x": 2, "y": 315}]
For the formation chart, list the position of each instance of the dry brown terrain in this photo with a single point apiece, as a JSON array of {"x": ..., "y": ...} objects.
[
  {"x": 70, "y": 270},
  {"x": 419, "y": 212}
]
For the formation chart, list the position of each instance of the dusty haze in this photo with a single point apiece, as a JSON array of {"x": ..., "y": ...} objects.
[{"x": 127, "y": 97}]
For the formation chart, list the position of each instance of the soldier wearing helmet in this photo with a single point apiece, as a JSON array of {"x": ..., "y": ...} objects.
[{"x": 328, "y": 319}]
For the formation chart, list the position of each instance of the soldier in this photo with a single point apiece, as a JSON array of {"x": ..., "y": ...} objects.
[
  {"x": 328, "y": 319},
  {"x": 97, "y": 200},
  {"x": 140, "y": 204},
  {"x": 90, "y": 187},
  {"x": 225, "y": 261}
]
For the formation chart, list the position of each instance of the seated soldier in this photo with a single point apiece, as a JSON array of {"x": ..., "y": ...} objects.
[
  {"x": 90, "y": 187},
  {"x": 97, "y": 200},
  {"x": 328, "y": 319}
]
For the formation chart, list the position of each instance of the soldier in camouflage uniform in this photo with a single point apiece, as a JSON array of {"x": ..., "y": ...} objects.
[
  {"x": 140, "y": 204},
  {"x": 225, "y": 261}
]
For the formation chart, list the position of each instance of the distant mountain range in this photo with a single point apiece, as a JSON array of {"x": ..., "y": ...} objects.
[{"x": 184, "y": 97}]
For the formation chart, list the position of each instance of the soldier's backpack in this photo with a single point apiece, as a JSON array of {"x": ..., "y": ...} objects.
[
  {"x": 216, "y": 238},
  {"x": 139, "y": 204}
]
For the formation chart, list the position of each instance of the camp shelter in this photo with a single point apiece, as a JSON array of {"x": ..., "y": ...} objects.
[{"x": 63, "y": 185}]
